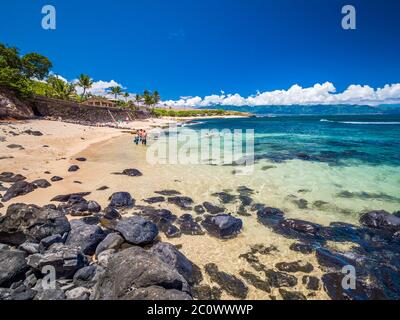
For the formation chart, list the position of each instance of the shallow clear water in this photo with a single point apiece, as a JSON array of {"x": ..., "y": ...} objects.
[{"x": 321, "y": 168}]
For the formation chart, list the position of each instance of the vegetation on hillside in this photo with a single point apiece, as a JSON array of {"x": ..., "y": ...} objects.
[{"x": 160, "y": 112}]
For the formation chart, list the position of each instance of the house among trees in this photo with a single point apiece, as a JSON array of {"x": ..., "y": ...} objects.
[{"x": 100, "y": 102}]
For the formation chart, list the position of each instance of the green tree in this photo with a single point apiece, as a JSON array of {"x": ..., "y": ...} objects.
[
  {"x": 126, "y": 96},
  {"x": 35, "y": 65},
  {"x": 116, "y": 91},
  {"x": 156, "y": 97},
  {"x": 85, "y": 82},
  {"x": 147, "y": 98},
  {"x": 61, "y": 89}
]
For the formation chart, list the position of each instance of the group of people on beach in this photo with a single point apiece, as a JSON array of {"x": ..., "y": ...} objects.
[{"x": 141, "y": 137}]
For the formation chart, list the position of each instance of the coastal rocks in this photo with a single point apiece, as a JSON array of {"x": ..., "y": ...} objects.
[
  {"x": 50, "y": 295},
  {"x": 41, "y": 183},
  {"x": 302, "y": 248},
  {"x": 153, "y": 200},
  {"x": 173, "y": 257},
  {"x": 19, "y": 188},
  {"x": 184, "y": 203},
  {"x": 222, "y": 226},
  {"x": 33, "y": 133},
  {"x": 225, "y": 197},
  {"x": 121, "y": 200},
  {"x": 199, "y": 209},
  {"x": 12, "y": 266},
  {"x": 79, "y": 293},
  {"x": 73, "y": 168},
  {"x": 64, "y": 258},
  {"x": 130, "y": 173},
  {"x": 102, "y": 188},
  {"x": 311, "y": 283},
  {"x": 10, "y": 177},
  {"x": 300, "y": 228},
  {"x": 112, "y": 241},
  {"x": 255, "y": 281},
  {"x": 140, "y": 275},
  {"x": 111, "y": 214},
  {"x": 85, "y": 277},
  {"x": 15, "y": 146},
  {"x": 137, "y": 230},
  {"x": 278, "y": 279},
  {"x": 212, "y": 209},
  {"x": 168, "y": 193},
  {"x": 48, "y": 241},
  {"x": 189, "y": 227},
  {"x": 70, "y": 197},
  {"x": 81, "y": 159},
  {"x": 381, "y": 220},
  {"x": 264, "y": 215},
  {"x": 363, "y": 291},
  {"x": 56, "y": 178},
  {"x": 296, "y": 266},
  {"x": 292, "y": 295},
  {"x": 205, "y": 292},
  {"x": 227, "y": 282},
  {"x": 28, "y": 222},
  {"x": 84, "y": 236}
]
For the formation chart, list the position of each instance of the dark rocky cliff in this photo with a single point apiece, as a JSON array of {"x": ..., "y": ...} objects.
[{"x": 40, "y": 107}]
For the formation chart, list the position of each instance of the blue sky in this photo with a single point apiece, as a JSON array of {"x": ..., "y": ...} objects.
[{"x": 200, "y": 47}]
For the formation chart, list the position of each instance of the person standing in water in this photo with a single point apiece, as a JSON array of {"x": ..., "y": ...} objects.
[
  {"x": 137, "y": 138},
  {"x": 144, "y": 137}
]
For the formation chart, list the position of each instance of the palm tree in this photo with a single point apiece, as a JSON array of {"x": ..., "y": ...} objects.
[
  {"x": 138, "y": 99},
  {"x": 61, "y": 89},
  {"x": 126, "y": 96},
  {"x": 85, "y": 82},
  {"x": 156, "y": 97},
  {"x": 116, "y": 91},
  {"x": 147, "y": 97}
]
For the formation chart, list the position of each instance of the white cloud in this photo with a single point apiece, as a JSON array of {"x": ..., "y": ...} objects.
[
  {"x": 99, "y": 88},
  {"x": 296, "y": 95}
]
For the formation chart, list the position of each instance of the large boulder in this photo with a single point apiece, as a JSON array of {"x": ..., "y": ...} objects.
[
  {"x": 137, "y": 230},
  {"x": 64, "y": 258},
  {"x": 222, "y": 226},
  {"x": 381, "y": 220},
  {"x": 121, "y": 200},
  {"x": 111, "y": 241},
  {"x": 85, "y": 236},
  {"x": 172, "y": 256},
  {"x": 29, "y": 222},
  {"x": 137, "y": 272},
  {"x": 12, "y": 266},
  {"x": 19, "y": 188}
]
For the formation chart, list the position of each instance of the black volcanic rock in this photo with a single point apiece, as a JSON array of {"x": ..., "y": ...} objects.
[
  {"x": 227, "y": 282},
  {"x": 19, "y": 188},
  {"x": 140, "y": 275},
  {"x": 84, "y": 236},
  {"x": 181, "y": 202},
  {"x": 121, "y": 200},
  {"x": 137, "y": 230},
  {"x": 381, "y": 220},
  {"x": 168, "y": 193},
  {"x": 222, "y": 226},
  {"x": 41, "y": 183},
  {"x": 81, "y": 159},
  {"x": 56, "y": 178},
  {"x": 73, "y": 168},
  {"x": 212, "y": 209},
  {"x": 12, "y": 266},
  {"x": 28, "y": 222},
  {"x": 11, "y": 177},
  {"x": 153, "y": 200}
]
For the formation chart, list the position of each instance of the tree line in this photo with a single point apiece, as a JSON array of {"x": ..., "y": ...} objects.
[{"x": 30, "y": 74}]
